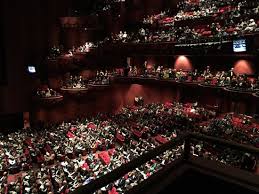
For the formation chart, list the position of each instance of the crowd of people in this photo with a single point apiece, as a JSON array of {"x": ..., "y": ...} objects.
[
  {"x": 231, "y": 18},
  {"x": 228, "y": 79},
  {"x": 143, "y": 172},
  {"x": 47, "y": 93},
  {"x": 80, "y": 82},
  {"x": 193, "y": 35},
  {"x": 154, "y": 18},
  {"x": 58, "y": 159},
  {"x": 238, "y": 128},
  {"x": 93, "y": 8},
  {"x": 74, "y": 82},
  {"x": 216, "y": 10},
  {"x": 241, "y": 129},
  {"x": 101, "y": 78},
  {"x": 84, "y": 48},
  {"x": 61, "y": 158},
  {"x": 225, "y": 155},
  {"x": 55, "y": 52},
  {"x": 138, "y": 101},
  {"x": 110, "y": 3}
]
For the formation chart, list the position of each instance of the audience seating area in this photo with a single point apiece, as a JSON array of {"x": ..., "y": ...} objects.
[
  {"x": 73, "y": 152},
  {"x": 102, "y": 78},
  {"x": 226, "y": 20},
  {"x": 61, "y": 158},
  {"x": 74, "y": 82},
  {"x": 45, "y": 92},
  {"x": 222, "y": 79}
]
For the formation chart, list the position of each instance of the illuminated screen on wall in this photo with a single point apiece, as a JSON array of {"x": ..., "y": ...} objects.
[
  {"x": 239, "y": 45},
  {"x": 31, "y": 69}
]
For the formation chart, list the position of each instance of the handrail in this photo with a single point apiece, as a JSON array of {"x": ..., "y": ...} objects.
[
  {"x": 230, "y": 37},
  {"x": 124, "y": 169},
  {"x": 135, "y": 163},
  {"x": 224, "y": 142},
  {"x": 169, "y": 81}
]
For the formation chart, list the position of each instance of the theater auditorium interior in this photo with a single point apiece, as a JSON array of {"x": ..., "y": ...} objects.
[{"x": 129, "y": 96}]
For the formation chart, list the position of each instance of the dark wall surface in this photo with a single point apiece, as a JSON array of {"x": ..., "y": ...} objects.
[
  {"x": 30, "y": 27},
  {"x": 2, "y": 61},
  {"x": 108, "y": 100}
]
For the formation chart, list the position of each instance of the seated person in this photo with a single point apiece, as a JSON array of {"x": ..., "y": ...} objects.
[{"x": 251, "y": 26}]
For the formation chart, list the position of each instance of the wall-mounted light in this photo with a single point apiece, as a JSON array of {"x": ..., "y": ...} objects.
[{"x": 183, "y": 63}]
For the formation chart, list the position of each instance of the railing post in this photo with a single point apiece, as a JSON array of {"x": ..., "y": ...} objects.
[
  {"x": 187, "y": 148},
  {"x": 257, "y": 165}
]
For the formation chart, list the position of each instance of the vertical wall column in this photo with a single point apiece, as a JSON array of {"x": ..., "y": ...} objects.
[{"x": 69, "y": 37}]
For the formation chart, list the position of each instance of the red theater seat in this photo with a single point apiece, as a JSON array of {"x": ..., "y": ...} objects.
[
  {"x": 256, "y": 125},
  {"x": 189, "y": 13},
  {"x": 85, "y": 166},
  {"x": 200, "y": 79},
  {"x": 113, "y": 191},
  {"x": 251, "y": 80},
  {"x": 224, "y": 9},
  {"x": 202, "y": 30},
  {"x": 214, "y": 82},
  {"x": 28, "y": 142},
  {"x": 120, "y": 138},
  {"x": 104, "y": 156},
  {"x": 73, "y": 129},
  {"x": 27, "y": 152},
  {"x": 111, "y": 151},
  {"x": 91, "y": 126},
  {"x": 137, "y": 133},
  {"x": 206, "y": 33},
  {"x": 40, "y": 159},
  {"x": 168, "y": 104},
  {"x": 230, "y": 30},
  {"x": 160, "y": 139},
  {"x": 70, "y": 135}
]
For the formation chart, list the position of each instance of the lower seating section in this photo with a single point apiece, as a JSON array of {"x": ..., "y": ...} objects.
[
  {"x": 69, "y": 154},
  {"x": 143, "y": 172},
  {"x": 230, "y": 126},
  {"x": 59, "y": 159},
  {"x": 143, "y": 169}
]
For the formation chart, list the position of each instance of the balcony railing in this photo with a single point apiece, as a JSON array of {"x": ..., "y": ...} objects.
[{"x": 186, "y": 157}]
